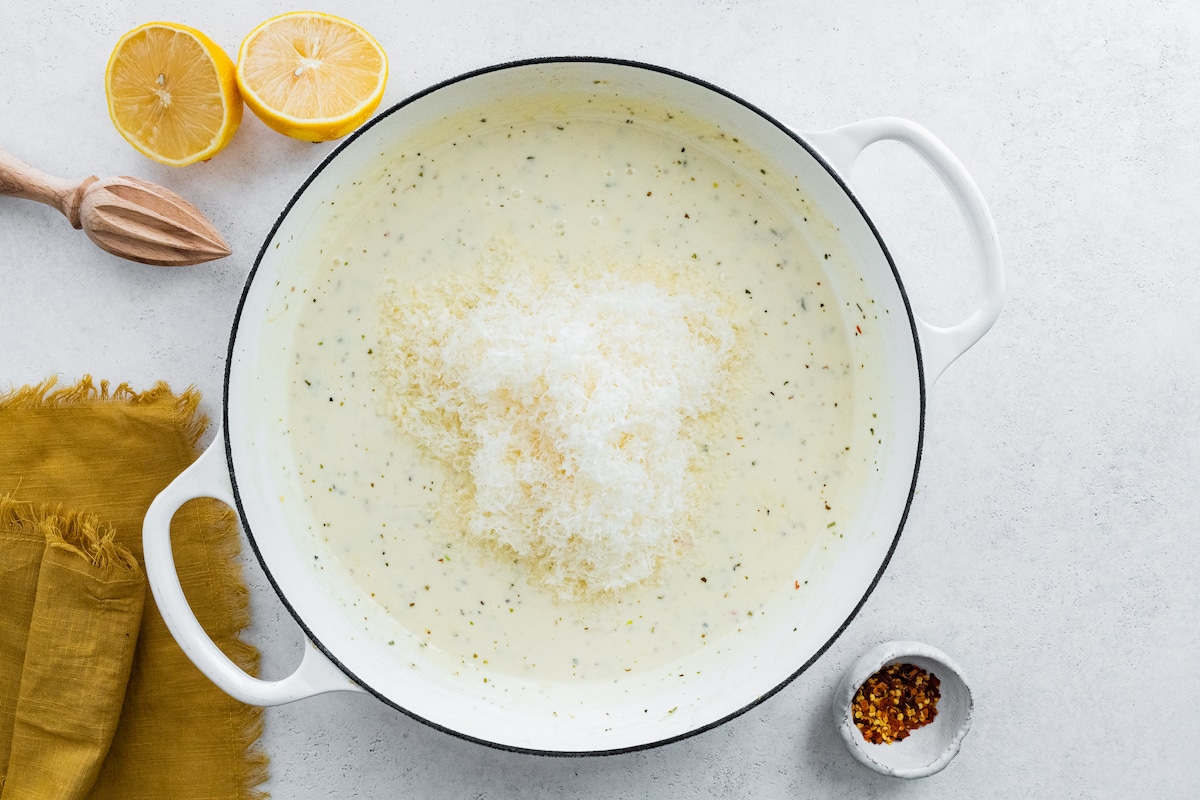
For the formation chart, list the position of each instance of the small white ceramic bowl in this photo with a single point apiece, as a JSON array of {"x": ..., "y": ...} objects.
[{"x": 928, "y": 749}]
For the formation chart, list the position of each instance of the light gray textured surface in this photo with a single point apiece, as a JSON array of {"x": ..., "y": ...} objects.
[{"x": 1052, "y": 547}]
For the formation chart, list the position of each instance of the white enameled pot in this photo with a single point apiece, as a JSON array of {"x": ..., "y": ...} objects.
[{"x": 632, "y": 712}]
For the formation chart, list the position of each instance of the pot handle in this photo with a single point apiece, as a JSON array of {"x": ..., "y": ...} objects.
[
  {"x": 841, "y": 147},
  {"x": 209, "y": 477}
]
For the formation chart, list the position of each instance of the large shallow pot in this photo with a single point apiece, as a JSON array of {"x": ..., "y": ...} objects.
[{"x": 623, "y": 713}]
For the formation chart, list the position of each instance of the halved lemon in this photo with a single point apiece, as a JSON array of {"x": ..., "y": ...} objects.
[
  {"x": 172, "y": 93},
  {"x": 310, "y": 75}
]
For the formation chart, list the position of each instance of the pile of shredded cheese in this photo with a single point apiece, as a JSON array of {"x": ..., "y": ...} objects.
[{"x": 573, "y": 404}]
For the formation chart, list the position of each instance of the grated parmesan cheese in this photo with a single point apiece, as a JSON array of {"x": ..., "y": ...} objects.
[{"x": 572, "y": 405}]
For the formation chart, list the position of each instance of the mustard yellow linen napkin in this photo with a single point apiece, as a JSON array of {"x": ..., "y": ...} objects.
[
  {"x": 65, "y": 648},
  {"x": 106, "y": 454}
]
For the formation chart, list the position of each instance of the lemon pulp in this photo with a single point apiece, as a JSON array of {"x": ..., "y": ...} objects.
[
  {"x": 172, "y": 93},
  {"x": 310, "y": 75}
]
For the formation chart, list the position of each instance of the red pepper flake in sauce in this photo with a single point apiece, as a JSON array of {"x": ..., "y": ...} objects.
[{"x": 894, "y": 702}]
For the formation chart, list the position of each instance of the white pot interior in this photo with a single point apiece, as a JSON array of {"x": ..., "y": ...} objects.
[{"x": 625, "y": 711}]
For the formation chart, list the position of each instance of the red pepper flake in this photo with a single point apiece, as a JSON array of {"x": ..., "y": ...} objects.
[
  {"x": 858, "y": 330},
  {"x": 797, "y": 584},
  {"x": 894, "y": 702}
]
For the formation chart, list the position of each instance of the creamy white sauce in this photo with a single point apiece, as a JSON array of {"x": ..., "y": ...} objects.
[{"x": 606, "y": 183}]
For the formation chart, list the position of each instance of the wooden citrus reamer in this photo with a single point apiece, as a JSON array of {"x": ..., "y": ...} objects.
[{"x": 128, "y": 217}]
